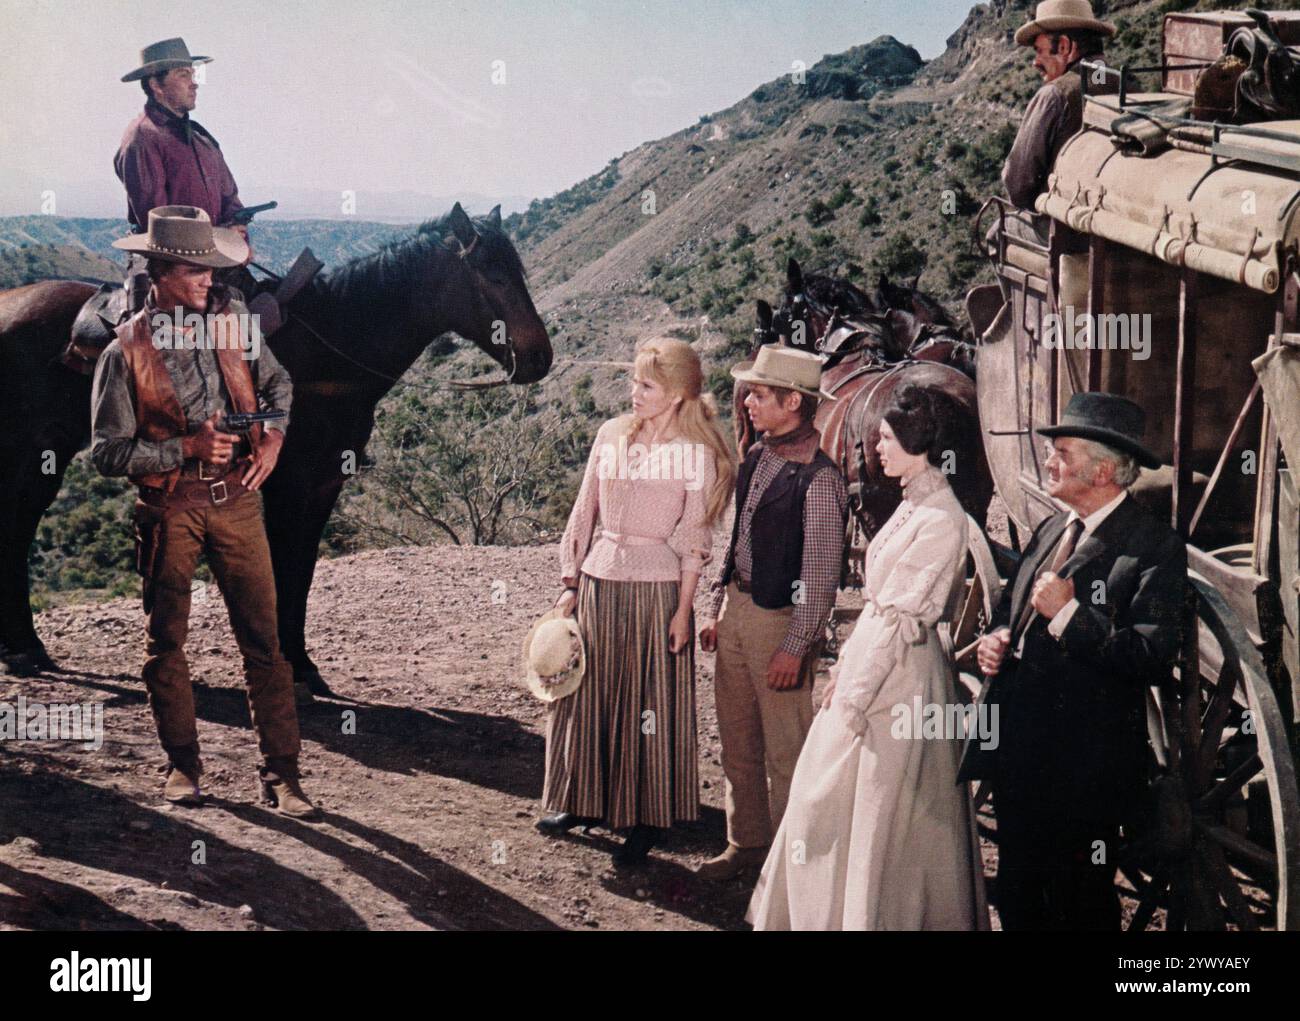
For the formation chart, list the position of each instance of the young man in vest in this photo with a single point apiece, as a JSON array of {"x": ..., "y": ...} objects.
[
  {"x": 161, "y": 389},
  {"x": 779, "y": 580}
]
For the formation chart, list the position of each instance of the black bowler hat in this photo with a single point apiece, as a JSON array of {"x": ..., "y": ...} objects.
[{"x": 1107, "y": 418}]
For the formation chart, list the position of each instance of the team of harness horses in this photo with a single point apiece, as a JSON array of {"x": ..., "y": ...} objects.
[{"x": 872, "y": 344}]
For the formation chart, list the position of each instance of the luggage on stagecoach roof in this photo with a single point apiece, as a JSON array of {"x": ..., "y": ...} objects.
[{"x": 1198, "y": 37}]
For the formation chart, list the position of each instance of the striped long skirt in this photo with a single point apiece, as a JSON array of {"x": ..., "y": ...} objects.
[{"x": 622, "y": 747}]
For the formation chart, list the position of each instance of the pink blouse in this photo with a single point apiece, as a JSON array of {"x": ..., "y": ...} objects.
[{"x": 640, "y": 514}]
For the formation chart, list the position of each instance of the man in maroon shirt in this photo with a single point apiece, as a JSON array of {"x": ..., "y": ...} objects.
[{"x": 167, "y": 159}]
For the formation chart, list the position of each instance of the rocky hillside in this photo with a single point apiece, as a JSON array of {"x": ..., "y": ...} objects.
[{"x": 874, "y": 163}]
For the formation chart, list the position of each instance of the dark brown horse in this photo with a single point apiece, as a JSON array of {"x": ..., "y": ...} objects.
[
  {"x": 871, "y": 349},
  {"x": 350, "y": 337}
]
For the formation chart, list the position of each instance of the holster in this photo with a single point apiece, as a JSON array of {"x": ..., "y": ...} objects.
[{"x": 148, "y": 540}]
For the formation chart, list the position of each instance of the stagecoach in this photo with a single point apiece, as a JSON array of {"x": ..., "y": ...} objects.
[{"x": 1186, "y": 234}]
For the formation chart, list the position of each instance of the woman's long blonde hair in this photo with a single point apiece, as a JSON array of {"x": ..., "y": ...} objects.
[{"x": 675, "y": 366}]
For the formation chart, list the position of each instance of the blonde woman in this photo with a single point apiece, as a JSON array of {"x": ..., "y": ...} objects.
[{"x": 621, "y": 750}]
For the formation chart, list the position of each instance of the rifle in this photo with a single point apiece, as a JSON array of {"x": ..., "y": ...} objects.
[
  {"x": 242, "y": 422},
  {"x": 245, "y": 216}
]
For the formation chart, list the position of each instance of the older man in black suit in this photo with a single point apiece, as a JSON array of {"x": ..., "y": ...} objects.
[{"x": 1092, "y": 617}]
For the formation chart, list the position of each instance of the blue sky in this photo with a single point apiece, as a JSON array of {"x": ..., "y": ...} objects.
[{"x": 399, "y": 96}]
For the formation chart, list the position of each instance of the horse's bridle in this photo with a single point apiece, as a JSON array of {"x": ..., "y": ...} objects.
[{"x": 509, "y": 362}]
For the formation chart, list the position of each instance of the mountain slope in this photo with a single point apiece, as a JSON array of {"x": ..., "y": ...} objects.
[{"x": 876, "y": 163}]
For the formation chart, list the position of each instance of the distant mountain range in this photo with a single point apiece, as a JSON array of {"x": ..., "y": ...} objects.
[
  {"x": 104, "y": 198},
  {"x": 30, "y": 263},
  {"x": 276, "y": 242}
]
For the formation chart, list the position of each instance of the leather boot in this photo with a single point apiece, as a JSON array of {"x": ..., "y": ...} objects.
[
  {"x": 731, "y": 863},
  {"x": 285, "y": 794},
  {"x": 182, "y": 788}
]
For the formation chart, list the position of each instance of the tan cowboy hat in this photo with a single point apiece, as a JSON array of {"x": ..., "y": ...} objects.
[
  {"x": 554, "y": 657},
  {"x": 1060, "y": 16},
  {"x": 778, "y": 365},
  {"x": 164, "y": 56},
  {"x": 185, "y": 234}
]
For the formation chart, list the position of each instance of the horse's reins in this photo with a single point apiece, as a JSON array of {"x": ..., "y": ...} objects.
[{"x": 451, "y": 384}]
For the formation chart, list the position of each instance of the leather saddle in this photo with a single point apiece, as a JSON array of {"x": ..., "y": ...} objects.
[
  {"x": 1269, "y": 87},
  {"x": 93, "y": 329},
  {"x": 112, "y": 304}
]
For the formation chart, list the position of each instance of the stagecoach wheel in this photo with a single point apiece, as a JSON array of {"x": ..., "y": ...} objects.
[{"x": 1222, "y": 846}]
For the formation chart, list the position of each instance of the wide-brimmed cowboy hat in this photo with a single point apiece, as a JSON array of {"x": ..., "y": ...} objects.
[
  {"x": 554, "y": 656},
  {"x": 164, "y": 56},
  {"x": 185, "y": 234},
  {"x": 778, "y": 365},
  {"x": 1061, "y": 16},
  {"x": 1107, "y": 418}
]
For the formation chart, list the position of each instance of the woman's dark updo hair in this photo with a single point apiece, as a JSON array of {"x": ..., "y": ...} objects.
[{"x": 923, "y": 420}]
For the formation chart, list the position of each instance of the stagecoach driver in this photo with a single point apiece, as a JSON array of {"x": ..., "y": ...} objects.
[
  {"x": 1062, "y": 33},
  {"x": 162, "y": 389}
]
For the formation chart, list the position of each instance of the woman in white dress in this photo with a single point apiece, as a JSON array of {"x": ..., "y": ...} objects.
[{"x": 878, "y": 834}]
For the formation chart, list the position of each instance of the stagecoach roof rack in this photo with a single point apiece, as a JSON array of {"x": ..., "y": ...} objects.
[{"x": 1219, "y": 148}]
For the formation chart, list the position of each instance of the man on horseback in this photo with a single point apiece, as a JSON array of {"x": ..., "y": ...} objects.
[
  {"x": 167, "y": 159},
  {"x": 163, "y": 390}
]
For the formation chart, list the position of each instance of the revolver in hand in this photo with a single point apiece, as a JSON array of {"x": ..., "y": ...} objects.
[{"x": 242, "y": 422}]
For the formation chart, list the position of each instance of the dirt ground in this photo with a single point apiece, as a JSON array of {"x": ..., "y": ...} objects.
[{"x": 428, "y": 769}]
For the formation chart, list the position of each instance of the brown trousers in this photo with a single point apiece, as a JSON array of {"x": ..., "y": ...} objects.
[
  {"x": 234, "y": 539},
  {"x": 762, "y": 730}
]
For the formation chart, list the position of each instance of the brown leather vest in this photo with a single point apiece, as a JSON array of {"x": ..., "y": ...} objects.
[{"x": 158, "y": 413}]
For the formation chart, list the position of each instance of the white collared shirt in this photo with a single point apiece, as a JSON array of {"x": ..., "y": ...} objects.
[{"x": 1090, "y": 524}]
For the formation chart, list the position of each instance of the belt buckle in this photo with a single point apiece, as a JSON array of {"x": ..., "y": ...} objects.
[
  {"x": 212, "y": 490},
  {"x": 205, "y": 478}
]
